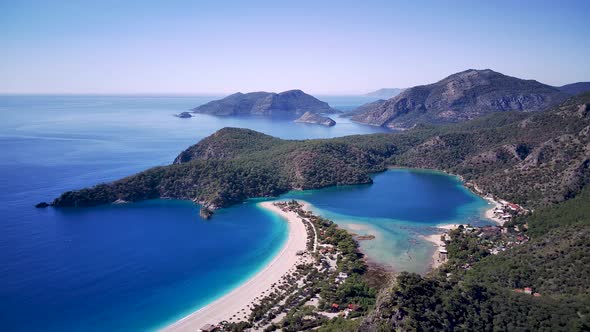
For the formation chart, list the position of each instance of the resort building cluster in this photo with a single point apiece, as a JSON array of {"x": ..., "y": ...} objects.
[{"x": 506, "y": 234}]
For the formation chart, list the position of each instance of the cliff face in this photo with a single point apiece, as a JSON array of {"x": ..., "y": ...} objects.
[
  {"x": 291, "y": 103},
  {"x": 313, "y": 118},
  {"x": 460, "y": 97}
]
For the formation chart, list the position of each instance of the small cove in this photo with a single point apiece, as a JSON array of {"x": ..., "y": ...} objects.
[{"x": 397, "y": 208}]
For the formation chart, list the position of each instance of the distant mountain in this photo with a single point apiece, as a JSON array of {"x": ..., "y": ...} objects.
[
  {"x": 575, "y": 88},
  {"x": 364, "y": 108},
  {"x": 385, "y": 93},
  {"x": 291, "y": 103},
  {"x": 531, "y": 158},
  {"x": 313, "y": 118},
  {"x": 460, "y": 97}
]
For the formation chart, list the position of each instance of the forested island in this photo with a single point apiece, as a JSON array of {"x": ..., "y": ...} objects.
[{"x": 286, "y": 104}]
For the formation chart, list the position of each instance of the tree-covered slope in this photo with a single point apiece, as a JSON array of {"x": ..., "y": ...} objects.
[
  {"x": 534, "y": 159},
  {"x": 555, "y": 263}
]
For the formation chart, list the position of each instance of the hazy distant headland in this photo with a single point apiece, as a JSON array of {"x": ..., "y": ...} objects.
[{"x": 384, "y": 93}]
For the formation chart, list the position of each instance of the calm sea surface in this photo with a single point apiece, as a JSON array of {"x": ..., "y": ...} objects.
[{"x": 141, "y": 266}]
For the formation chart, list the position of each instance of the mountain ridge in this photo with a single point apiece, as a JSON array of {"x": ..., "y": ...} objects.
[
  {"x": 504, "y": 153},
  {"x": 460, "y": 97},
  {"x": 314, "y": 118},
  {"x": 575, "y": 88}
]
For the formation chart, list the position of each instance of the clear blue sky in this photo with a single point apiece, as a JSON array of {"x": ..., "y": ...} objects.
[{"x": 318, "y": 46}]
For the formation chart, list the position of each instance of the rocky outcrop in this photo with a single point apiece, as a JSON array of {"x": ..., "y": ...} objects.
[
  {"x": 290, "y": 104},
  {"x": 184, "y": 115},
  {"x": 313, "y": 118},
  {"x": 460, "y": 97},
  {"x": 205, "y": 213}
]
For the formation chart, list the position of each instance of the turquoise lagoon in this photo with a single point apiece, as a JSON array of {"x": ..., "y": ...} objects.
[
  {"x": 141, "y": 266},
  {"x": 399, "y": 207}
]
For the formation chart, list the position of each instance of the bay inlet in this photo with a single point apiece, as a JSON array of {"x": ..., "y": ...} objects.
[{"x": 143, "y": 266}]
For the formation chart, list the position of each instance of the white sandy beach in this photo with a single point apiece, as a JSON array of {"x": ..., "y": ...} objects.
[
  {"x": 490, "y": 212},
  {"x": 236, "y": 302},
  {"x": 436, "y": 240}
]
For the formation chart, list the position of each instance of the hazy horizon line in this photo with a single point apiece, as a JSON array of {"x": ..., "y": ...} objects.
[{"x": 180, "y": 94}]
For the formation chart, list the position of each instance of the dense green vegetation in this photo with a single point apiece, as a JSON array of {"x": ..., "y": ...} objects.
[
  {"x": 571, "y": 213},
  {"x": 334, "y": 275},
  {"x": 555, "y": 264},
  {"x": 535, "y": 159},
  {"x": 540, "y": 160}
]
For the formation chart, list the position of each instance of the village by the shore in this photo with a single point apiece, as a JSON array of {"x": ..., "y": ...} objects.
[{"x": 498, "y": 238}]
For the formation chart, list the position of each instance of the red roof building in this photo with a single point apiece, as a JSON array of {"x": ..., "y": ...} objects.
[{"x": 513, "y": 206}]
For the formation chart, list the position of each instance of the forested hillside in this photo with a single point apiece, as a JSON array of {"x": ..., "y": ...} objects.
[
  {"x": 540, "y": 160},
  {"x": 555, "y": 264},
  {"x": 531, "y": 158}
]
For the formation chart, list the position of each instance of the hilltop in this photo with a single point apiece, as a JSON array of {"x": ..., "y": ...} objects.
[
  {"x": 530, "y": 158},
  {"x": 460, "y": 97},
  {"x": 292, "y": 103},
  {"x": 575, "y": 88}
]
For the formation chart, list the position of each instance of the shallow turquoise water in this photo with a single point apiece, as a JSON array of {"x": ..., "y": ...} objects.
[
  {"x": 119, "y": 268},
  {"x": 397, "y": 208},
  {"x": 140, "y": 266}
]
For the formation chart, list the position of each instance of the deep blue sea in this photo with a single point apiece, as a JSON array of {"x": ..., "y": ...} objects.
[{"x": 141, "y": 266}]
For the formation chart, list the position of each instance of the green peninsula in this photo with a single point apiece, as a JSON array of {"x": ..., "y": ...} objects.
[{"x": 534, "y": 159}]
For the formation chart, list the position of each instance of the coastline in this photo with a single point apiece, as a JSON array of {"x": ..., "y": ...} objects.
[
  {"x": 234, "y": 306},
  {"x": 436, "y": 240},
  {"x": 489, "y": 214}
]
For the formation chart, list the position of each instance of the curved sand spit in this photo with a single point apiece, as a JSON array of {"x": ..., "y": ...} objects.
[{"x": 230, "y": 304}]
